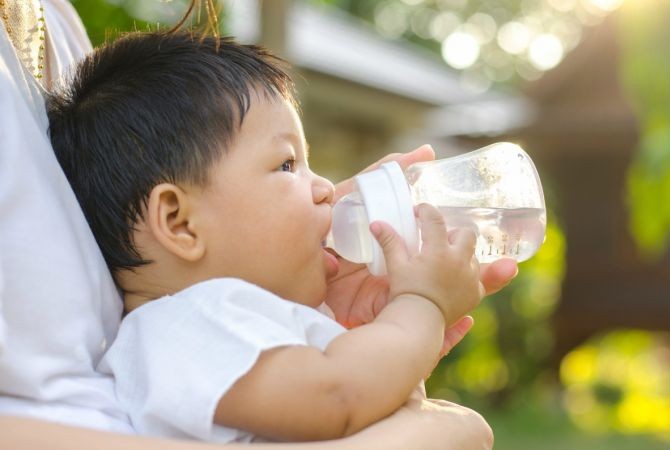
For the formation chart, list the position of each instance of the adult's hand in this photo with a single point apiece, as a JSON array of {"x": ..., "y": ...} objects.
[
  {"x": 421, "y": 154},
  {"x": 420, "y": 425},
  {"x": 356, "y": 296},
  {"x": 427, "y": 424}
]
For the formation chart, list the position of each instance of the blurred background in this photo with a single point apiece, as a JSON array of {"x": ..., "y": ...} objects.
[{"x": 575, "y": 353}]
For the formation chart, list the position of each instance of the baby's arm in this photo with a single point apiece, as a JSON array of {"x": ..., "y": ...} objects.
[{"x": 300, "y": 393}]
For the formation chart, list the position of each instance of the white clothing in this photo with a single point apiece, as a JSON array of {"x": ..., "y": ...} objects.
[
  {"x": 175, "y": 357},
  {"x": 59, "y": 307}
]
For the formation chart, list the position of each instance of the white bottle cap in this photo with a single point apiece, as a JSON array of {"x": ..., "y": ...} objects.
[{"x": 386, "y": 196}]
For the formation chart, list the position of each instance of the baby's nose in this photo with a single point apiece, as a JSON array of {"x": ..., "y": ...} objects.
[{"x": 323, "y": 191}]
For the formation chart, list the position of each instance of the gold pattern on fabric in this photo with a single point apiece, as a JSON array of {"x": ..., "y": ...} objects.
[{"x": 25, "y": 25}]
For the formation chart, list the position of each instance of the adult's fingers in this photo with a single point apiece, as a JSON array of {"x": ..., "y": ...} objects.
[
  {"x": 498, "y": 274},
  {"x": 473, "y": 430},
  {"x": 420, "y": 154},
  {"x": 455, "y": 333}
]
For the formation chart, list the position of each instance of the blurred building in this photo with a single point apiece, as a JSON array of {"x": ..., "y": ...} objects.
[{"x": 364, "y": 96}]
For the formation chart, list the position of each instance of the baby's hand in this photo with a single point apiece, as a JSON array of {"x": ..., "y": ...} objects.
[{"x": 445, "y": 271}]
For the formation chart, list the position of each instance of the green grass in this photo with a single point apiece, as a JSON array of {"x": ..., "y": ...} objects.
[{"x": 531, "y": 427}]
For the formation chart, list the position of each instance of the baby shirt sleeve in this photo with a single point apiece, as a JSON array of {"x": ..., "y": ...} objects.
[{"x": 175, "y": 357}]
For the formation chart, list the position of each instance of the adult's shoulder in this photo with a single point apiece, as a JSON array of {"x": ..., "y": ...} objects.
[{"x": 68, "y": 41}]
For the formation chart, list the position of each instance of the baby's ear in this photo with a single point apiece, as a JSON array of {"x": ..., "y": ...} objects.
[{"x": 169, "y": 218}]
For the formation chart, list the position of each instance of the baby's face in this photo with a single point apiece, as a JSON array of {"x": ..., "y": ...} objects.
[{"x": 265, "y": 214}]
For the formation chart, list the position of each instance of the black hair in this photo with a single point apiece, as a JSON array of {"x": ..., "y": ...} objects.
[{"x": 151, "y": 108}]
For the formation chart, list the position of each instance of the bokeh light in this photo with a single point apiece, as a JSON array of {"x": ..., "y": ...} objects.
[
  {"x": 391, "y": 19},
  {"x": 420, "y": 21},
  {"x": 545, "y": 51},
  {"x": 443, "y": 24},
  {"x": 461, "y": 49},
  {"x": 563, "y": 5},
  {"x": 606, "y": 5},
  {"x": 532, "y": 36},
  {"x": 486, "y": 26},
  {"x": 514, "y": 37}
]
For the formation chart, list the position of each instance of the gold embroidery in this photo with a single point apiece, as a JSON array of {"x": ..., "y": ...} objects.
[{"x": 26, "y": 26}]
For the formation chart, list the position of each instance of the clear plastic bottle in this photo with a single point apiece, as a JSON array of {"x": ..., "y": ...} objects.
[{"x": 495, "y": 191}]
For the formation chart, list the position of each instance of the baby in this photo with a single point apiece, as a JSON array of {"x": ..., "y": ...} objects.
[{"x": 189, "y": 160}]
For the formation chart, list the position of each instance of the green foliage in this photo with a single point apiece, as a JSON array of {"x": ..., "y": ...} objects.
[
  {"x": 106, "y": 19},
  {"x": 620, "y": 381},
  {"x": 648, "y": 193},
  {"x": 494, "y": 42},
  {"x": 543, "y": 425},
  {"x": 645, "y": 71}
]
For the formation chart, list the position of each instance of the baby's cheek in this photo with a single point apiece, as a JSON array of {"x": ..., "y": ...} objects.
[{"x": 317, "y": 294}]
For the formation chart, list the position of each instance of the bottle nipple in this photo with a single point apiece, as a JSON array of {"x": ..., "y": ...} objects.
[
  {"x": 349, "y": 235},
  {"x": 381, "y": 194}
]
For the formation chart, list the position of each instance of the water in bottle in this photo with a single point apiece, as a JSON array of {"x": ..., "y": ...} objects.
[
  {"x": 501, "y": 232},
  {"x": 494, "y": 191}
]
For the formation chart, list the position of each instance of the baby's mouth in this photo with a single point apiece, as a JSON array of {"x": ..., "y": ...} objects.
[
  {"x": 333, "y": 263},
  {"x": 331, "y": 251},
  {"x": 328, "y": 241},
  {"x": 327, "y": 246}
]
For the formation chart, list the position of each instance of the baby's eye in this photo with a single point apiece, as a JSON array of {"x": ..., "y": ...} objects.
[{"x": 288, "y": 166}]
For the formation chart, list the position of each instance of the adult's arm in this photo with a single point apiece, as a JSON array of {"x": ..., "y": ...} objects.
[{"x": 421, "y": 425}]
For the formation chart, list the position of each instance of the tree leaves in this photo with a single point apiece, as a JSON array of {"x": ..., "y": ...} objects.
[{"x": 645, "y": 73}]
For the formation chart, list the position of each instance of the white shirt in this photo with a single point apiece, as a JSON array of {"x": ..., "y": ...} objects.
[
  {"x": 177, "y": 356},
  {"x": 59, "y": 308}
]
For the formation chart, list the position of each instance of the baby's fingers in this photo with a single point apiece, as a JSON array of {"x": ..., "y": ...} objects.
[
  {"x": 433, "y": 228},
  {"x": 393, "y": 246},
  {"x": 463, "y": 239}
]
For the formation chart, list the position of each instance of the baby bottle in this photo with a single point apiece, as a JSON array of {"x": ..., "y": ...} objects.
[{"x": 495, "y": 191}]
